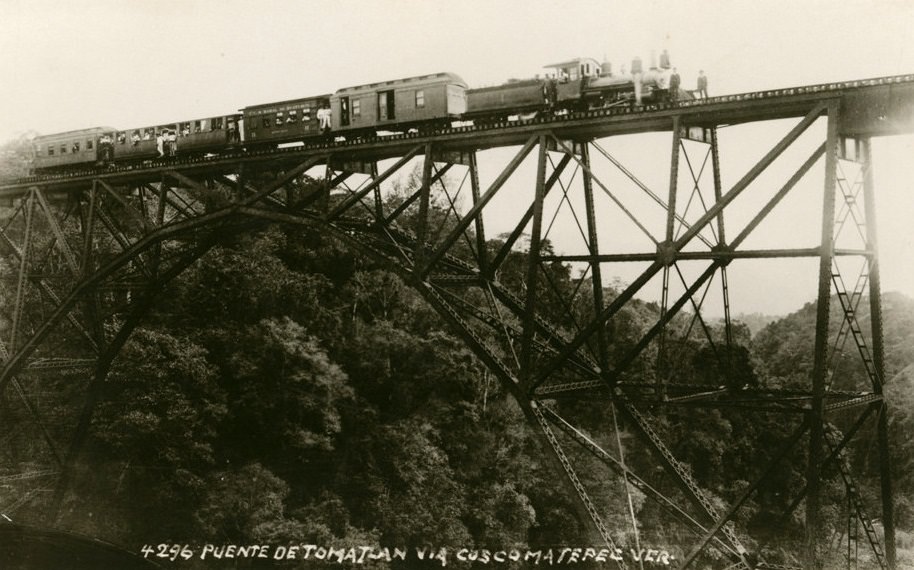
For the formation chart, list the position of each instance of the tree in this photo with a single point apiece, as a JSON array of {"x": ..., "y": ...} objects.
[
  {"x": 16, "y": 156},
  {"x": 284, "y": 395},
  {"x": 158, "y": 419}
]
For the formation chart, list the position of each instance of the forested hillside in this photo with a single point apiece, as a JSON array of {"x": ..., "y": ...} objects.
[
  {"x": 290, "y": 390},
  {"x": 783, "y": 356},
  {"x": 287, "y": 391}
]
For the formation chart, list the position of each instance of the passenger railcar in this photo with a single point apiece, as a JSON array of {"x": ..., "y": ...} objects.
[
  {"x": 200, "y": 136},
  {"x": 72, "y": 148},
  {"x": 209, "y": 134},
  {"x": 400, "y": 104},
  {"x": 284, "y": 121}
]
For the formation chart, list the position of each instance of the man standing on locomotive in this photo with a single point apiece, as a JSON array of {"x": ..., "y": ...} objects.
[
  {"x": 702, "y": 84},
  {"x": 674, "y": 85},
  {"x": 636, "y": 78}
]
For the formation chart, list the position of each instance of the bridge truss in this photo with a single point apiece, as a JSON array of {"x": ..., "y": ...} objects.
[{"x": 88, "y": 253}]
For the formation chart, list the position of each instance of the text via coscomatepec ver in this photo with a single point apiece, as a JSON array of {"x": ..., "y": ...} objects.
[{"x": 429, "y": 555}]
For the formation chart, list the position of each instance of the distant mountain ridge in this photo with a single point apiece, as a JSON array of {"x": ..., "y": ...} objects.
[
  {"x": 783, "y": 342},
  {"x": 756, "y": 321}
]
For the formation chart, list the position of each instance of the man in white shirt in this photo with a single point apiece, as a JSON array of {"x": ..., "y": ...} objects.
[{"x": 323, "y": 115}]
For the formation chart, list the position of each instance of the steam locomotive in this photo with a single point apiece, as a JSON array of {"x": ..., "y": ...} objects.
[{"x": 419, "y": 103}]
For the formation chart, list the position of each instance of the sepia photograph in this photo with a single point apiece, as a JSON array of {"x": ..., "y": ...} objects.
[{"x": 507, "y": 284}]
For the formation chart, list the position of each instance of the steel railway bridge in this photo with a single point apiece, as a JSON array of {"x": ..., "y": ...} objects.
[{"x": 70, "y": 304}]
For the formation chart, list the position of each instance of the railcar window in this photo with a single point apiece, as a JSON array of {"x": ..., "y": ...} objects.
[
  {"x": 121, "y": 138},
  {"x": 89, "y": 144},
  {"x": 63, "y": 149},
  {"x": 216, "y": 124},
  {"x": 76, "y": 146},
  {"x": 356, "y": 108},
  {"x": 50, "y": 150},
  {"x": 293, "y": 116},
  {"x": 266, "y": 122},
  {"x": 305, "y": 114},
  {"x": 420, "y": 98}
]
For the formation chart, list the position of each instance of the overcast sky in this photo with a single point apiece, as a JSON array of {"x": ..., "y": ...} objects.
[{"x": 74, "y": 64}]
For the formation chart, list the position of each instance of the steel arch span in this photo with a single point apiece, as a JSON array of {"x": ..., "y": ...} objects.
[{"x": 88, "y": 253}]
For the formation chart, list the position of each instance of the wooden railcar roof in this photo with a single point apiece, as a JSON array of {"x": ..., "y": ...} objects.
[
  {"x": 417, "y": 81},
  {"x": 73, "y": 134}
]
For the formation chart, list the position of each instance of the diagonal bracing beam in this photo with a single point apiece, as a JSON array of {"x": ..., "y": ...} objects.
[{"x": 626, "y": 295}]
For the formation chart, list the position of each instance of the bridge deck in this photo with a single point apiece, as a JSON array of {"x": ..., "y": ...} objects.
[{"x": 869, "y": 107}]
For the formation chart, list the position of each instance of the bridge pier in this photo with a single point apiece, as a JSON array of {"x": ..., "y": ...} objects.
[{"x": 876, "y": 333}]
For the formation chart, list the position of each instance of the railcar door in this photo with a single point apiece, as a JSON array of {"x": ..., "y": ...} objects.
[
  {"x": 386, "y": 108},
  {"x": 344, "y": 111}
]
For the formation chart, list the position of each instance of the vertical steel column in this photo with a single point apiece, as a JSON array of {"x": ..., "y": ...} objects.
[
  {"x": 159, "y": 222},
  {"x": 481, "y": 248},
  {"x": 667, "y": 246},
  {"x": 722, "y": 242},
  {"x": 424, "y": 196},
  {"x": 23, "y": 270},
  {"x": 674, "y": 181},
  {"x": 597, "y": 284},
  {"x": 323, "y": 201},
  {"x": 718, "y": 187},
  {"x": 820, "y": 369},
  {"x": 87, "y": 267},
  {"x": 88, "y": 231},
  {"x": 378, "y": 200},
  {"x": 533, "y": 263},
  {"x": 869, "y": 204},
  {"x": 594, "y": 250}
]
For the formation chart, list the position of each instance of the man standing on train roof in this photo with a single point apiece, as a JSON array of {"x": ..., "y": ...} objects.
[
  {"x": 675, "y": 81},
  {"x": 702, "y": 84},
  {"x": 323, "y": 115}
]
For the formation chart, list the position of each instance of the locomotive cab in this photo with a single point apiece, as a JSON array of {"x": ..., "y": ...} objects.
[
  {"x": 576, "y": 69},
  {"x": 572, "y": 77}
]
